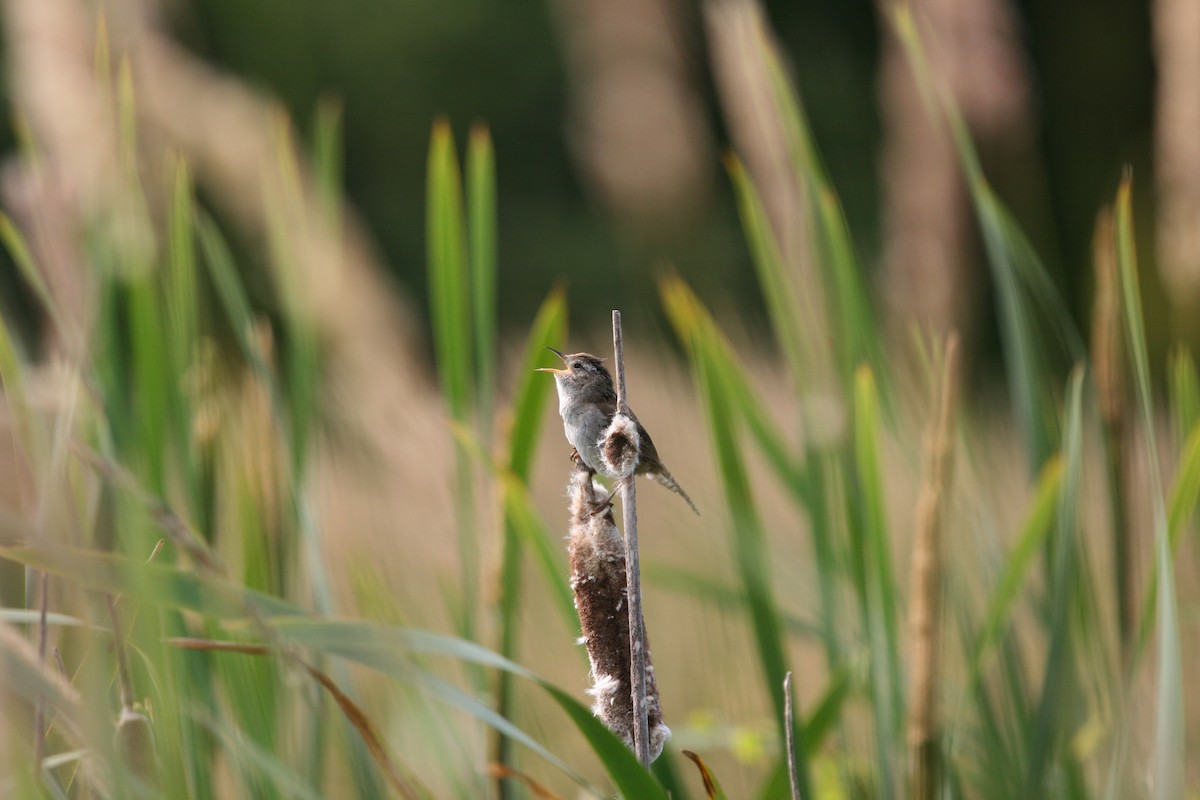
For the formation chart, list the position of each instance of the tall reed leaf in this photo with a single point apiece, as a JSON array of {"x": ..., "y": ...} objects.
[
  {"x": 549, "y": 328},
  {"x": 856, "y": 339},
  {"x": 878, "y": 588},
  {"x": 747, "y": 536},
  {"x": 450, "y": 312},
  {"x": 773, "y": 276},
  {"x": 1051, "y": 729},
  {"x": 390, "y": 650},
  {"x": 481, "y": 230},
  {"x": 1184, "y": 385},
  {"x": 1034, "y": 532},
  {"x": 1168, "y": 758},
  {"x": 1032, "y": 314}
]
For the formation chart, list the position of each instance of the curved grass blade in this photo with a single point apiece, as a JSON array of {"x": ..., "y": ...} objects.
[
  {"x": 14, "y": 242},
  {"x": 389, "y": 650},
  {"x": 403, "y": 783},
  {"x": 692, "y": 321},
  {"x": 521, "y": 523},
  {"x": 150, "y": 583},
  {"x": 712, "y": 788},
  {"x": 747, "y": 537}
]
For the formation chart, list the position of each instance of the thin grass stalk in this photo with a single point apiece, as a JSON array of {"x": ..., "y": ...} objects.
[
  {"x": 633, "y": 572},
  {"x": 789, "y": 721},
  {"x": 1109, "y": 375},
  {"x": 925, "y": 611},
  {"x": 39, "y": 721}
]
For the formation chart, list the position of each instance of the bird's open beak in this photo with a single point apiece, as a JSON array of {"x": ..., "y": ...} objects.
[{"x": 551, "y": 369}]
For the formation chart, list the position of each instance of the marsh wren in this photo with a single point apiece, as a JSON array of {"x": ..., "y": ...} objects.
[{"x": 587, "y": 403}]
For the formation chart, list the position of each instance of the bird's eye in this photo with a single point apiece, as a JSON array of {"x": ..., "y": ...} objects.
[{"x": 577, "y": 365}]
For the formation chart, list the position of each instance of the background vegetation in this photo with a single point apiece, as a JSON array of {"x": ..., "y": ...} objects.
[{"x": 259, "y": 540}]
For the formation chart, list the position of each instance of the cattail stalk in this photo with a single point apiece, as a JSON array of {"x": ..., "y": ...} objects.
[
  {"x": 1109, "y": 375},
  {"x": 599, "y": 579},
  {"x": 925, "y": 611},
  {"x": 637, "y": 623}
]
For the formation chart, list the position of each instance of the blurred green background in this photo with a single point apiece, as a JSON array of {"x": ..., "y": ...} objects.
[{"x": 395, "y": 66}]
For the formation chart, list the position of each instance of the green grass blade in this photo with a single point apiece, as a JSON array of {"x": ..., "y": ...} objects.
[
  {"x": 827, "y": 712},
  {"x": 152, "y": 376},
  {"x": 807, "y": 483},
  {"x": 1022, "y": 284},
  {"x": 1038, "y": 525},
  {"x": 1168, "y": 755},
  {"x": 534, "y": 389},
  {"x": 481, "y": 224},
  {"x": 327, "y": 152},
  {"x": 856, "y": 340},
  {"x": 1050, "y": 726},
  {"x": 14, "y": 242},
  {"x": 714, "y": 592},
  {"x": 390, "y": 650},
  {"x": 521, "y": 525},
  {"x": 151, "y": 583},
  {"x": 253, "y": 758},
  {"x": 878, "y": 590},
  {"x": 782, "y": 306},
  {"x": 234, "y": 302},
  {"x": 747, "y": 537},
  {"x": 1184, "y": 386},
  {"x": 450, "y": 315},
  {"x": 690, "y": 318},
  {"x": 449, "y": 297}
]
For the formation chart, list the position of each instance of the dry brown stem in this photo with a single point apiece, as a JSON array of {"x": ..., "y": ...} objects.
[
  {"x": 924, "y": 612},
  {"x": 973, "y": 45},
  {"x": 1177, "y": 159},
  {"x": 637, "y": 122}
]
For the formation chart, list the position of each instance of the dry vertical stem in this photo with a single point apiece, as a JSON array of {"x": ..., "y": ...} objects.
[
  {"x": 924, "y": 613},
  {"x": 637, "y": 624},
  {"x": 1109, "y": 374},
  {"x": 1177, "y": 160}
]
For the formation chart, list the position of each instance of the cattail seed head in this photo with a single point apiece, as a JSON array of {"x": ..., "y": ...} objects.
[
  {"x": 597, "y": 555},
  {"x": 621, "y": 446}
]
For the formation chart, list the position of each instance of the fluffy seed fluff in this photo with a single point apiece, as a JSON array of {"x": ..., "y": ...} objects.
[
  {"x": 620, "y": 446},
  {"x": 597, "y": 554}
]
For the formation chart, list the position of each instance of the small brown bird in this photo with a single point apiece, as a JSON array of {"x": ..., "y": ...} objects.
[{"x": 587, "y": 403}]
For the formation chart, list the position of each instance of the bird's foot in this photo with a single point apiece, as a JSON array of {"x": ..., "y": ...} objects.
[{"x": 578, "y": 461}]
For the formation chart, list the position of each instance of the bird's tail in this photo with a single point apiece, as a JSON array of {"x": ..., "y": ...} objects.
[{"x": 668, "y": 480}]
